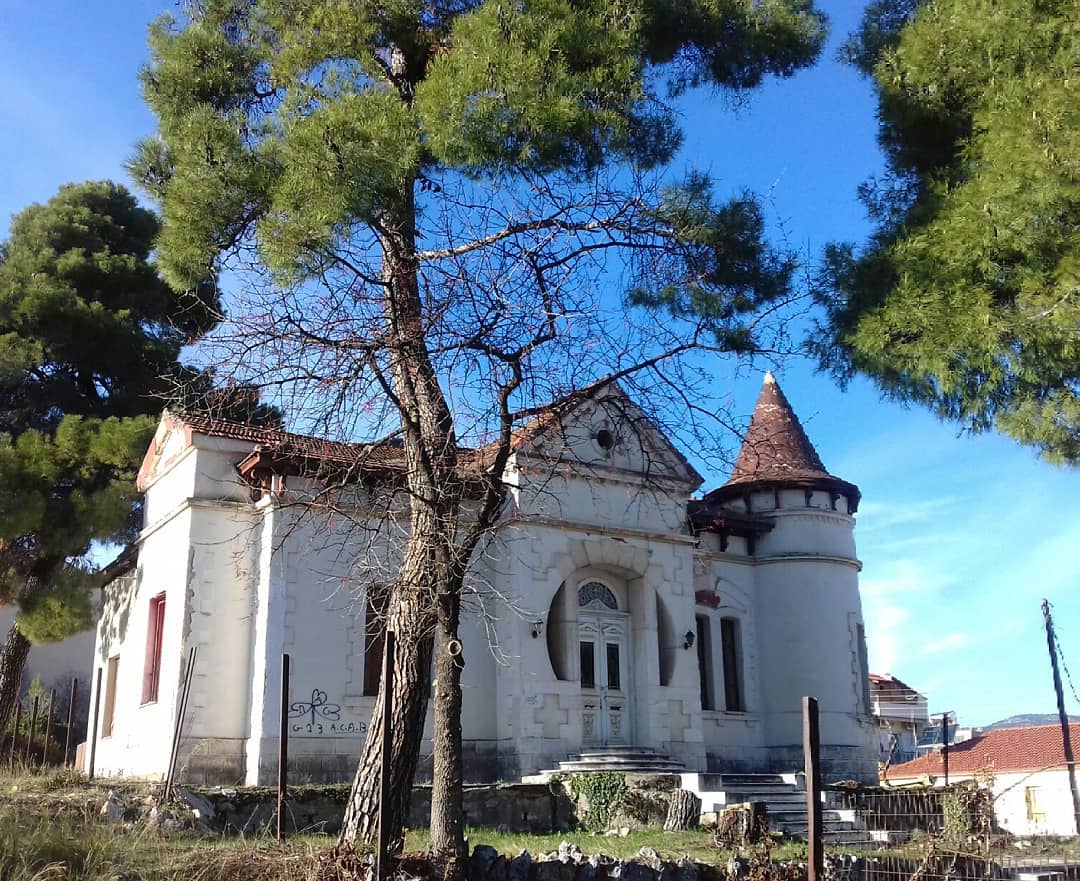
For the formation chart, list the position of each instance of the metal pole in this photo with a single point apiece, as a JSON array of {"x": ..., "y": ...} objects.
[
  {"x": 382, "y": 855},
  {"x": 283, "y": 748},
  {"x": 15, "y": 732},
  {"x": 174, "y": 753},
  {"x": 70, "y": 719},
  {"x": 945, "y": 744},
  {"x": 30, "y": 733},
  {"x": 815, "y": 853},
  {"x": 1066, "y": 738},
  {"x": 94, "y": 728},
  {"x": 48, "y": 729}
]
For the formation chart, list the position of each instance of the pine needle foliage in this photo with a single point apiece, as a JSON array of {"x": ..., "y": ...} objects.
[{"x": 967, "y": 296}]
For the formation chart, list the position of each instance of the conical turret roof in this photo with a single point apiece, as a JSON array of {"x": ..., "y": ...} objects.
[{"x": 776, "y": 452}]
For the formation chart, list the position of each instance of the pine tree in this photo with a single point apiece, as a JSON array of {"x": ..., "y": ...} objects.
[
  {"x": 89, "y": 340},
  {"x": 435, "y": 192},
  {"x": 965, "y": 297}
]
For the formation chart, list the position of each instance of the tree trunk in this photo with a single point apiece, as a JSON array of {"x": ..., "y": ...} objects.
[
  {"x": 13, "y": 657},
  {"x": 431, "y": 568},
  {"x": 411, "y": 687},
  {"x": 447, "y": 844}
]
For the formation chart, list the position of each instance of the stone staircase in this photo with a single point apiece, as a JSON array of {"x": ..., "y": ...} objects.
[
  {"x": 624, "y": 759},
  {"x": 784, "y": 796}
]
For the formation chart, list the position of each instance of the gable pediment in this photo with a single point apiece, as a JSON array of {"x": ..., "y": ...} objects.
[
  {"x": 607, "y": 435},
  {"x": 171, "y": 440}
]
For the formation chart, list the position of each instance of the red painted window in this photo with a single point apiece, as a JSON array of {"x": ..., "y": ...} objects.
[{"x": 155, "y": 627}]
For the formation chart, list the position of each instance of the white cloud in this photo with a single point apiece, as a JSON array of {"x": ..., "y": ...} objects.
[
  {"x": 884, "y": 641},
  {"x": 947, "y": 643},
  {"x": 877, "y": 516}
]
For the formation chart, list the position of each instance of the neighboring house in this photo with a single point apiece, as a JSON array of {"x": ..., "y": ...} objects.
[
  {"x": 901, "y": 716},
  {"x": 1027, "y": 766},
  {"x": 55, "y": 663},
  {"x": 933, "y": 738},
  {"x": 610, "y": 609}
]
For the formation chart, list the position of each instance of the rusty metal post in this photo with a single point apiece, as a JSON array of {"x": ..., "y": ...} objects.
[
  {"x": 71, "y": 718},
  {"x": 382, "y": 854},
  {"x": 15, "y": 732},
  {"x": 94, "y": 727},
  {"x": 815, "y": 853},
  {"x": 48, "y": 729},
  {"x": 174, "y": 753},
  {"x": 30, "y": 733},
  {"x": 283, "y": 748}
]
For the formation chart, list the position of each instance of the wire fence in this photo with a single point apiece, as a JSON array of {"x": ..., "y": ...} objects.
[{"x": 917, "y": 833}]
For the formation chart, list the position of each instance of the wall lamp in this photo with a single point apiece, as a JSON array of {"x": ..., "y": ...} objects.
[
  {"x": 688, "y": 640},
  {"x": 537, "y": 629}
]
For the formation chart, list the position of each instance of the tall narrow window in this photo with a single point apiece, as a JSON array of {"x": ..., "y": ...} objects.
[
  {"x": 374, "y": 630},
  {"x": 588, "y": 664},
  {"x": 110, "y": 696},
  {"x": 729, "y": 644},
  {"x": 704, "y": 659},
  {"x": 614, "y": 670},
  {"x": 155, "y": 628}
]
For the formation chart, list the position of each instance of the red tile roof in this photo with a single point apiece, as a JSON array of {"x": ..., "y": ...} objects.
[
  {"x": 384, "y": 453},
  {"x": 1003, "y": 749},
  {"x": 777, "y": 452}
]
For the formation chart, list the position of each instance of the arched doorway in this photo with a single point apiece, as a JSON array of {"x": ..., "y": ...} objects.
[{"x": 604, "y": 665}]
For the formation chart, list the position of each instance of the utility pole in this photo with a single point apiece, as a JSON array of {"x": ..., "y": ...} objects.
[
  {"x": 1066, "y": 739},
  {"x": 944, "y": 741}
]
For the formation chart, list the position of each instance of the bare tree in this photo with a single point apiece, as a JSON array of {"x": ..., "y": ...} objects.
[{"x": 448, "y": 219}]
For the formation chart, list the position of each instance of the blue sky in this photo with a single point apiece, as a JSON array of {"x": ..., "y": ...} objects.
[{"x": 960, "y": 537}]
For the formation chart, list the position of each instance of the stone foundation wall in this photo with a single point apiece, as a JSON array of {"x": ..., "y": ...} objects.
[
  {"x": 222, "y": 762},
  {"x": 837, "y": 763}
]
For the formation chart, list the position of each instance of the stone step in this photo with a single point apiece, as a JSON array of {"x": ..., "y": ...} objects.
[
  {"x": 624, "y": 767},
  {"x": 771, "y": 796},
  {"x": 743, "y": 781}
]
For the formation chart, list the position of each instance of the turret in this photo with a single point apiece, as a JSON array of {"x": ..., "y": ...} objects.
[{"x": 809, "y": 616}]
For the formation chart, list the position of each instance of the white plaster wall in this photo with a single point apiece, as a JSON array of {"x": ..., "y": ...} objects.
[
  {"x": 540, "y": 717},
  {"x": 170, "y": 488},
  {"x": 734, "y": 738},
  {"x": 1010, "y": 803},
  {"x": 224, "y": 567},
  {"x": 141, "y": 736},
  {"x": 601, "y": 501},
  {"x": 809, "y": 613},
  {"x": 215, "y": 471}
]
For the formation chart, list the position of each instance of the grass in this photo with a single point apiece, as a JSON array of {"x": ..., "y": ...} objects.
[
  {"x": 67, "y": 848},
  {"x": 50, "y": 831}
]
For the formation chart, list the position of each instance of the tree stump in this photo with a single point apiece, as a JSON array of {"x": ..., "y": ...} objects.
[
  {"x": 684, "y": 811},
  {"x": 742, "y": 824}
]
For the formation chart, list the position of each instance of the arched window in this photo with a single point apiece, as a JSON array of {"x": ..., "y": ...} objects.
[{"x": 597, "y": 595}]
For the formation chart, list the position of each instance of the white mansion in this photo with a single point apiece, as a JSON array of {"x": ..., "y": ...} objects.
[{"x": 627, "y": 613}]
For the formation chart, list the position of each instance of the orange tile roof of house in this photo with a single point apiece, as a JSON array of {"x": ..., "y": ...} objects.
[{"x": 1002, "y": 750}]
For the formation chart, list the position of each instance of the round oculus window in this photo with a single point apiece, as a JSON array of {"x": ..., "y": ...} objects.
[{"x": 604, "y": 439}]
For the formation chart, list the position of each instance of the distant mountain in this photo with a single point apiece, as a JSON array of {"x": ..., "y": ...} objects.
[{"x": 1025, "y": 719}]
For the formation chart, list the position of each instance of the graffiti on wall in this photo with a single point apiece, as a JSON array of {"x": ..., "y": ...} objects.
[{"x": 319, "y": 716}]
